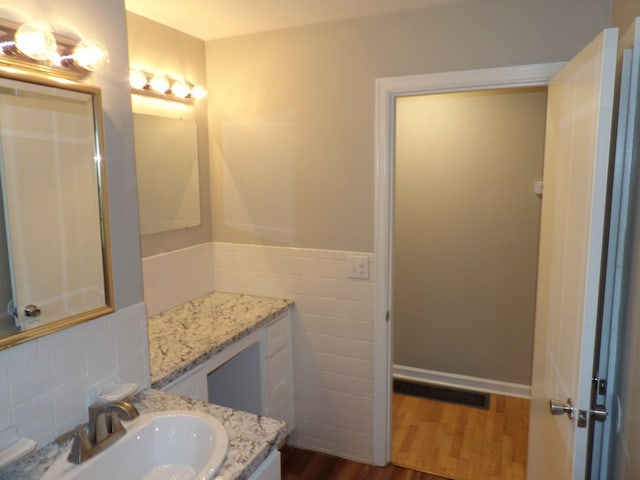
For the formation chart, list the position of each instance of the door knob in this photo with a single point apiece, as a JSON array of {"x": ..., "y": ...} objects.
[
  {"x": 558, "y": 408},
  {"x": 598, "y": 413},
  {"x": 32, "y": 311}
]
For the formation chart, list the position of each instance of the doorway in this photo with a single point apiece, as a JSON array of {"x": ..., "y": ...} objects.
[
  {"x": 388, "y": 90},
  {"x": 466, "y": 215},
  {"x": 467, "y": 171}
]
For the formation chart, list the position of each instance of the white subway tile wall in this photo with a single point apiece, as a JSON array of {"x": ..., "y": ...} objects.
[
  {"x": 333, "y": 337},
  {"x": 175, "y": 277},
  {"x": 332, "y": 327},
  {"x": 45, "y": 383}
]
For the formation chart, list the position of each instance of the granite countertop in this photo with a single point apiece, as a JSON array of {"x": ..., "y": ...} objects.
[
  {"x": 190, "y": 334},
  {"x": 251, "y": 438}
]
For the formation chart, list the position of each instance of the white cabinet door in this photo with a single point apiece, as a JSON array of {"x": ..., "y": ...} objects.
[
  {"x": 278, "y": 372},
  {"x": 269, "y": 469},
  {"x": 192, "y": 384}
]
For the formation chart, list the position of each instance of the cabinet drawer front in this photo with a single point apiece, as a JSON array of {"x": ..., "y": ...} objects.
[
  {"x": 277, "y": 336},
  {"x": 278, "y": 376}
]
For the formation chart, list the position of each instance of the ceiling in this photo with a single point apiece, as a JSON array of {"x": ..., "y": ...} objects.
[{"x": 212, "y": 19}]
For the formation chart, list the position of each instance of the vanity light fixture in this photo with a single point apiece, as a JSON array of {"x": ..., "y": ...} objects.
[
  {"x": 159, "y": 84},
  {"x": 180, "y": 88},
  {"x": 165, "y": 87},
  {"x": 198, "y": 92},
  {"x": 33, "y": 48},
  {"x": 35, "y": 42},
  {"x": 90, "y": 55},
  {"x": 137, "y": 79}
]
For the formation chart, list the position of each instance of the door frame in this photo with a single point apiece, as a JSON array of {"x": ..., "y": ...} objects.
[{"x": 386, "y": 91}]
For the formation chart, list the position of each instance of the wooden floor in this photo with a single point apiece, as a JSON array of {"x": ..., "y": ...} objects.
[
  {"x": 305, "y": 465},
  {"x": 463, "y": 443}
]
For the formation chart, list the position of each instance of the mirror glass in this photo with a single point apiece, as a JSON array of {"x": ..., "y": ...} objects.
[
  {"x": 167, "y": 172},
  {"x": 54, "y": 251}
]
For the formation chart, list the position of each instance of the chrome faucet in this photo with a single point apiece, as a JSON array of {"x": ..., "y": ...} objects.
[
  {"x": 104, "y": 418},
  {"x": 105, "y": 427}
]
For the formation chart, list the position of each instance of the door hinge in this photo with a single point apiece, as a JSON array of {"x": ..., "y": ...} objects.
[{"x": 387, "y": 316}]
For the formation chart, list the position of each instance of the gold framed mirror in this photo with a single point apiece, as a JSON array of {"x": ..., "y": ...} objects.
[{"x": 55, "y": 254}]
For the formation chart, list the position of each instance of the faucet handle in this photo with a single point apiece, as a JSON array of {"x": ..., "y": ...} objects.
[
  {"x": 81, "y": 444},
  {"x": 65, "y": 437},
  {"x": 102, "y": 429},
  {"x": 116, "y": 423}
]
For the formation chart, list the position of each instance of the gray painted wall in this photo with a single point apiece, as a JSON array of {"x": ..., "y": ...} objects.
[
  {"x": 321, "y": 78},
  {"x": 466, "y": 228},
  {"x": 623, "y": 12},
  {"x": 158, "y": 48},
  {"x": 105, "y": 22}
]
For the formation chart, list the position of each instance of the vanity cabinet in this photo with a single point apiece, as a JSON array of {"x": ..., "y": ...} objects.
[
  {"x": 254, "y": 374},
  {"x": 277, "y": 372},
  {"x": 237, "y": 383},
  {"x": 192, "y": 385},
  {"x": 269, "y": 469}
]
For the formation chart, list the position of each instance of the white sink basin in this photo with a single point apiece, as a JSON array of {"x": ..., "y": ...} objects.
[{"x": 171, "y": 445}]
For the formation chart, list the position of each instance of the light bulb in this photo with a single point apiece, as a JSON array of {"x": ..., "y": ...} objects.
[
  {"x": 90, "y": 55},
  {"x": 56, "y": 59},
  {"x": 137, "y": 79},
  {"x": 35, "y": 41},
  {"x": 159, "y": 84},
  {"x": 198, "y": 92},
  {"x": 180, "y": 89}
]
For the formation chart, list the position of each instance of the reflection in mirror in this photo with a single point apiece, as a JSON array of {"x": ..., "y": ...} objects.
[
  {"x": 167, "y": 173},
  {"x": 54, "y": 207},
  {"x": 7, "y": 322}
]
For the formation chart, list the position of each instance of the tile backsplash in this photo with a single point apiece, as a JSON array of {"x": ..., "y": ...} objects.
[
  {"x": 45, "y": 383},
  {"x": 332, "y": 337},
  {"x": 178, "y": 276},
  {"x": 332, "y": 327}
]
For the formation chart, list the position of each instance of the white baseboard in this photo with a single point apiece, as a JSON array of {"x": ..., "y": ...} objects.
[{"x": 465, "y": 382}]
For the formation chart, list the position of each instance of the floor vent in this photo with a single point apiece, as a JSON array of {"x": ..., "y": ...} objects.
[{"x": 444, "y": 394}]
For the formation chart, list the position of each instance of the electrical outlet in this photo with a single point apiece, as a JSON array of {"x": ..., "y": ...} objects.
[{"x": 357, "y": 266}]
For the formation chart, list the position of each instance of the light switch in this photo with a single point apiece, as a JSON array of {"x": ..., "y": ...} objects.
[
  {"x": 538, "y": 187},
  {"x": 357, "y": 266}
]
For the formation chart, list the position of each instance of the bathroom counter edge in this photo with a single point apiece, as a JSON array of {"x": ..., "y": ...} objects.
[{"x": 189, "y": 334}]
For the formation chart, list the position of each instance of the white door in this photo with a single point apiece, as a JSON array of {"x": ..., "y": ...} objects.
[
  {"x": 615, "y": 440},
  {"x": 579, "y": 114}
]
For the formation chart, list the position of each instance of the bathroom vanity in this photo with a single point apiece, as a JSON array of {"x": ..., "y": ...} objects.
[
  {"x": 253, "y": 441},
  {"x": 228, "y": 349},
  {"x": 225, "y": 355}
]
